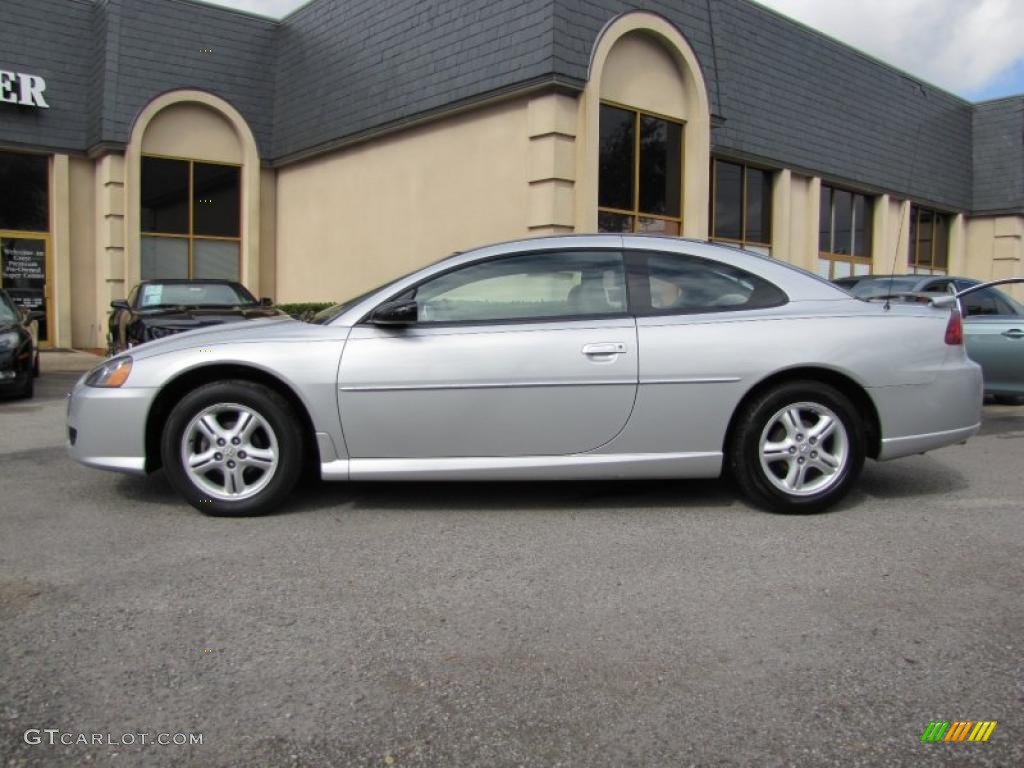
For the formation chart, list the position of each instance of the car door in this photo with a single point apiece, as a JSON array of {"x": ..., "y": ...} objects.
[
  {"x": 994, "y": 336},
  {"x": 530, "y": 354}
]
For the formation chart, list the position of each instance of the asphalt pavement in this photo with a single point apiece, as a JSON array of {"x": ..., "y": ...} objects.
[{"x": 539, "y": 624}]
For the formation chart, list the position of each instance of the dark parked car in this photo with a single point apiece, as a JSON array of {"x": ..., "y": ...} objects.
[
  {"x": 158, "y": 308},
  {"x": 19, "y": 355},
  {"x": 993, "y": 325}
]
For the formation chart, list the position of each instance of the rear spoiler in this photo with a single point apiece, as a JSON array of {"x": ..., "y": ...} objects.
[{"x": 949, "y": 300}]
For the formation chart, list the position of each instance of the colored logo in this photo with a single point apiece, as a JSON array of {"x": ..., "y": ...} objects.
[{"x": 958, "y": 730}]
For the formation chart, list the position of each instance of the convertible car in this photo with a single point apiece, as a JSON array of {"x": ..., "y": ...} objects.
[
  {"x": 583, "y": 357},
  {"x": 158, "y": 308}
]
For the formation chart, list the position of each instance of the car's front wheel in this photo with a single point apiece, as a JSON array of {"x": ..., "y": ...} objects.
[
  {"x": 797, "y": 448},
  {"x": 233, "y": 448}
]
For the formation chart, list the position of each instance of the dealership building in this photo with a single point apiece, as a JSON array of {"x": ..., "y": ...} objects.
[{"x": 317, "y": 156}]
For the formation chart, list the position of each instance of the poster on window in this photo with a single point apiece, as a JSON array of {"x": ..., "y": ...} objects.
[{"x": 23, "y": 275}]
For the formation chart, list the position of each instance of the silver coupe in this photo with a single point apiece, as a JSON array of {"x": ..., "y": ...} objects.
[{"x": 577, "y": 357}]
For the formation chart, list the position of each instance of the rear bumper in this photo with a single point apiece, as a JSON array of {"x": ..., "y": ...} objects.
[
  {"x": 923, "y": 417},
  {"x": 894, "y": 447},
  {"x": 106, "y": 427}
]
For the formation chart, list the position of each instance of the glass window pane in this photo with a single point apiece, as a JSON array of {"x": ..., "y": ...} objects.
[
  {"x": 215, "y": 197},
  {"x": 759, "y": 206},
  {"x": 614, "y": 222},
  {"x": 536, "y": 285},
  {"x": 728, "y": 199},
  {"x": 164, "y": 195},
  {"x": 841, "y": 269},
  {"x": 215, "y": 259},
  {"x": 924, "y": 237},
  {"x": 656, "y": 226},
  {"x": 615, "y": 175},
  {"x": 24, "y": 192},
  {"x": 825, "y": 220},
  {"x": 660, "y": 166},
  {"x": 941, "y": 230},
  {"x": 687, "y": 284},
  {"x": 825, "y": 268},
  {"x": 842, "y": 234},
  {"x": 862, "y": 218},
  {"x": 164, "y": 257}
]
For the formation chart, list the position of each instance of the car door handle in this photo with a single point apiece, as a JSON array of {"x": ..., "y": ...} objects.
[
  {"x": 1014, "y": 333},
  {"x": 604, "y": 348}
]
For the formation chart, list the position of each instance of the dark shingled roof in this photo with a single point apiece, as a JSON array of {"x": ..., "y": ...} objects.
[{"x": 336, "y": 70}]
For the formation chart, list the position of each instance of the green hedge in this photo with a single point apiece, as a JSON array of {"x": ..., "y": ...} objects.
[{"x": 305, "y": 308}]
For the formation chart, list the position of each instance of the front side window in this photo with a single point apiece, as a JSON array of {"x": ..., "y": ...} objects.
[
  {"x": 929, "y": 241},
  {"x": 679, "y": 284},
  {"x": 741, "y": 205},
  {"x": 191, "y": 219},
  {"x": 526, "y": 287},
  {"x": 640, "y": 174},
  {"x": 844, "y": 233}
]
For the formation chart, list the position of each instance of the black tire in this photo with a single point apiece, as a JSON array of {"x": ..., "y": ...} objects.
[
  {"x": 279, "y": 423},
  {"x": 760, "y": 418},
  {"x": 29, "y": 390}
]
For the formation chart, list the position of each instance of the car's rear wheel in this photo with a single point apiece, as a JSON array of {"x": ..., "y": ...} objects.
[
  {"x": 797, "y": 448},
  {"x": 233, "y": 448}
]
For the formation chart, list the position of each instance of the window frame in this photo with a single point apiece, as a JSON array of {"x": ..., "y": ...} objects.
[
  {"x": 743, "y": 241},
  {"x": 191, "y": 236},
  {"x": 849, "y": 258},
  {"x": 366, "y": 318},
  {"x": 914, "y": 238},
  {"x": 636, "y": 213}
]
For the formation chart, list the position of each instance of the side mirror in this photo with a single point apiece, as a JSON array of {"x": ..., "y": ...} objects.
[
  {"x": 266, "y": 301},
  {"x": 119, "y": 304},
  {"x": 397, "y": 312},
  {"x": 947, "y": 301},
  {"x": 35, "y": 314}
]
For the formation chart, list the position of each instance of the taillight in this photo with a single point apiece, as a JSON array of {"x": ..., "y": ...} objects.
[{"x": 955, "y": 329}]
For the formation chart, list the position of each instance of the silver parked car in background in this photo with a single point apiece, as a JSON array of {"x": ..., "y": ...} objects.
[{"x": 579, "y": 357}]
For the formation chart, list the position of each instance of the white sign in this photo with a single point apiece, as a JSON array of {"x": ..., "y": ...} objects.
[{"x": 19, "y": 88}]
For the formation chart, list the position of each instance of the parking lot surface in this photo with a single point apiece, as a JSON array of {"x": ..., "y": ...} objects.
[{"x": 578, "y": 624}]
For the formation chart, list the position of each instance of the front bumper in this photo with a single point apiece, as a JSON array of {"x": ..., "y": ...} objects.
[{"x": 106, "y": 428}]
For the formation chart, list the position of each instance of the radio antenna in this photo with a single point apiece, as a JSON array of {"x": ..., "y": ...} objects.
[{"x": 910, "y": 179}]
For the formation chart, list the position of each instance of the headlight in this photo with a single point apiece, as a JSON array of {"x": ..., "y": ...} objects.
[
  {"x": 8, "y": 341},
  {"x": 112, "y": 373}
]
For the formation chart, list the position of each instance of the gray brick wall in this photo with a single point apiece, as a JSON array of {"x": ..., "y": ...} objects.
[
  {"x": 52, "y": 39},
  {"x": 344, "y": 67},
  {"x": 999, "y": 155},
  {"x": 787, "y": 95}
]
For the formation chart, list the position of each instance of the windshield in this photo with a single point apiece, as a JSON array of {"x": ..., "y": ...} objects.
[
  {"x": 8, "y": 314},
  {"x": 194, "y": 294},
  {"x": 326, "y": 316}
]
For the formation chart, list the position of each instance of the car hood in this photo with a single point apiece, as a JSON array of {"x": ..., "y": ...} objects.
[{"x": 278, "y": 328}]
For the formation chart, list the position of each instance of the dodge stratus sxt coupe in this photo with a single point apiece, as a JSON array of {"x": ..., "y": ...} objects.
[{"x": 588, "y": 356}]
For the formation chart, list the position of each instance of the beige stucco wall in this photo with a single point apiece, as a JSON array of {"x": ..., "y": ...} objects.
[
  {"x": 995, "y": 249},
  {"x": 350, "y": 220},
  {"x": 192, "y": 131},
  {"x": 82, "y": 257}
]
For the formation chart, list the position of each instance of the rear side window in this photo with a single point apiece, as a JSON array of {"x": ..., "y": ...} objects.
[
  {"x": 987, "y": 301},
  {"x": 677, "y": 284}
]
